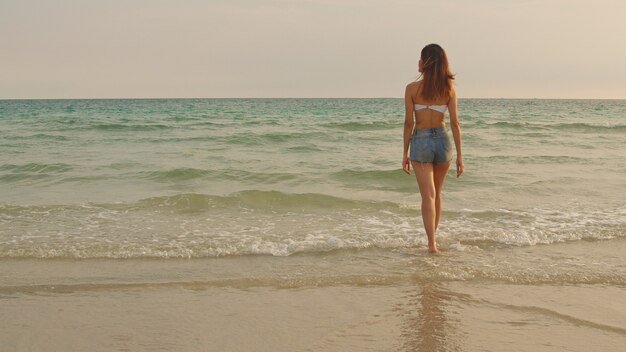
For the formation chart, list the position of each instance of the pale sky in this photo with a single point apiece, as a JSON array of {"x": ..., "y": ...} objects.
[{"x": 308, "y": 48}]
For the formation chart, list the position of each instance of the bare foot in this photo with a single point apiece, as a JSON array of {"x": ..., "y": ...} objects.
[{"x": 432, "y": 248}]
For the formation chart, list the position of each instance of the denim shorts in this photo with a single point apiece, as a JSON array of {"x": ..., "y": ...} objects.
[{"x": 431, "y": 145}]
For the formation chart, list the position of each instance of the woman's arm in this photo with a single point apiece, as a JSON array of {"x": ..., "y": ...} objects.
[
  {"x": 455, "y": 125},
  {"x": 408, "y": 128}
]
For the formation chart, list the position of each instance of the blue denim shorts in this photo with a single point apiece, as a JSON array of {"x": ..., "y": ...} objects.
[{"x": 431, "y": 145}]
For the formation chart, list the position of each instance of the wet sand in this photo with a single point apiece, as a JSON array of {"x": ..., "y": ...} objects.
[
  {"x": 248, "y": 304},
  {"x": 429, "y": 317}
]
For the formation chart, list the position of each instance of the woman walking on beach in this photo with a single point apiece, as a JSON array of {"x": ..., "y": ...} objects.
[{"x": 426, "y": 102}]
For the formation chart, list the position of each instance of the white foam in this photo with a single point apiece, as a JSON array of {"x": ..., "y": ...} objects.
[{"x": 87, "y": 232}]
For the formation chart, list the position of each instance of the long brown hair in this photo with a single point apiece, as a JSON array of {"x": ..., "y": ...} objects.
[{"x": 437, "y": 81}]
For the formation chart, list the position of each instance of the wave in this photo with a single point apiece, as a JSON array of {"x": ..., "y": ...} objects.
[
  {"x": 306, "y": 148},
  {"x": 209, "y": 249},
  {"x": 193, "y": 202},
  {"x": 259, "y": 200},
  {"x": 270, "y": 138},
  {"x": 128, "y": 127},
  {"x": 590, "y": 127},
  {"x": 514, "y": 125},
  {"x": 187, "y": 174},
  {"x": 37, "y": 167},
  {"x": 60, "y": 173},
  {"x": 281, "y": 137},
  {"x": 534, "y": 159},
  {"x": 351, "y": 174},
  {"x": 390, "y": 180},
  {"x": 173, "y": 175},
  {"x": 363, "y": 126},
  {"x": 576, "y": 126},
  {"x": 274, "y": 223},
  {"x": 32, "y": 171},
  {"x": 43, "y": 136}
]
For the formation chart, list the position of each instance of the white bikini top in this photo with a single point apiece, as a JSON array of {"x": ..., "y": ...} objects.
[{"x": 440, "y": 108}]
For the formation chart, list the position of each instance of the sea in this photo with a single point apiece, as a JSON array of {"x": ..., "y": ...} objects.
[{"x": 248, "y": 198}]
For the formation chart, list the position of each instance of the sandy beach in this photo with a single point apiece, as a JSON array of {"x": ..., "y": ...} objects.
[{"x": 237, "y": 305}]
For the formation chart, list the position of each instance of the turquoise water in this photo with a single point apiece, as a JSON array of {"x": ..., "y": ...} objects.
[{"x": 196, "y": 178}]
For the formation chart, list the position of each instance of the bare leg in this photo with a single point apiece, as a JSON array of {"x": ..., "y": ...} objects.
[
  {"x": 439, "y": 175},
  {"x": 426, "y": 183}
]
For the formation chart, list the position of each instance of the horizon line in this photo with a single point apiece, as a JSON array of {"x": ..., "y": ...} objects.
[{"x": 188, "y": 98}]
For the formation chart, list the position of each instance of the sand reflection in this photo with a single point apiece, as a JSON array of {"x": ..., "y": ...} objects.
[{"x": 426, "y": 327}]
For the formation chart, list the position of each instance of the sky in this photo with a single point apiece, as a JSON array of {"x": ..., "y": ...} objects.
[{"x": 308, "y": 48}]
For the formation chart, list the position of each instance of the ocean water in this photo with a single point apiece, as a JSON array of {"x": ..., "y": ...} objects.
[
  {"x": 196, "y": 178},
  {"x": 288, "y": 224}
]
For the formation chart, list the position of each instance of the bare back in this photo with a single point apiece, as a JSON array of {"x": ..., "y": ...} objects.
[{"x": 426, "y": 118}]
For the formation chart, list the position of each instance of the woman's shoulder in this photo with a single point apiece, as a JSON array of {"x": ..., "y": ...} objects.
[{"x": 412, "y": 86}]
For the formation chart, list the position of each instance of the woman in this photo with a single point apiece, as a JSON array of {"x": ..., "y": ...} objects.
[{"x": 430, "y": 149}]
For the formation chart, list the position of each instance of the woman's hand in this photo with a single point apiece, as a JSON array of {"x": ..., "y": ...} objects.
[
  {"x": 406, "y": 164},
  {"x": 459, "y": 166}
]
